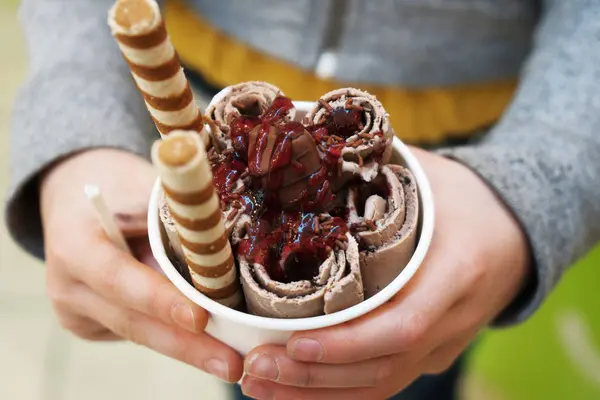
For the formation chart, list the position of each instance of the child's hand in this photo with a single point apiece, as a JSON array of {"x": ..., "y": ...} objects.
[{"x": 102, "y": 293}]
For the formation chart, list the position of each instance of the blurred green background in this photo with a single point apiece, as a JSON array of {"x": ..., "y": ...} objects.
[
  {"x": 556, "y": 354},
  {"x": 553, "y": 356}
]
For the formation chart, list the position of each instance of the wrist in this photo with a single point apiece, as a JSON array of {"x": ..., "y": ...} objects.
[
  {"x": 510, "y": 236},
  {"x": 504, "y": 236},
  {"x": 519, "y": 277}
]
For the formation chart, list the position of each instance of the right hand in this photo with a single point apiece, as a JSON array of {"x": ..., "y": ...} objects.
[{"x": 100, "y": 292}]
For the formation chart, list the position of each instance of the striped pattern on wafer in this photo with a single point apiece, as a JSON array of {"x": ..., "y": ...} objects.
[
  {"x": 140, "y": 33},
  {"x": 190, "y": 194}
]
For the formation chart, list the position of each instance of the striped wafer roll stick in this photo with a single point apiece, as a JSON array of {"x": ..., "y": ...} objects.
[
  {"x": 186, "y": 176},
  {"x": 140, "y": 33}
]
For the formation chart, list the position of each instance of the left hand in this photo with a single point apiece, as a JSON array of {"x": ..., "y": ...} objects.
[{"x": 477, "y": 263}]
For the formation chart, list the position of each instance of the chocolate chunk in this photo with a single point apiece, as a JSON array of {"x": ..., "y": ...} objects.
[{"x": 284, "y": 157}]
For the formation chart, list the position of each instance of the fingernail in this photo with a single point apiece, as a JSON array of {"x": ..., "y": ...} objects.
[
  {"x": 307, "y": 350},
  {"x": 218, "y": 368},
  {"x": 253, "y": 388},
  {"x": 263, "y": 366},
  {"x": 183, "y": 315}
]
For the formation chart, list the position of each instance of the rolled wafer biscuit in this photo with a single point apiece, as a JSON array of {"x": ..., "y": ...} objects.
[
  {"x": 186, "y": 177},
  {"x": 231, "y": 214},
  {"x": 139, "y": 30}
]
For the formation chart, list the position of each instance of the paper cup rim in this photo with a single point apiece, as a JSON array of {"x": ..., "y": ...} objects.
[{"x": 321, "y": 321}]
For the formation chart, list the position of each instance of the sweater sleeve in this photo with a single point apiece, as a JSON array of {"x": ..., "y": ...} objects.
[
  {"x": 543, "y": 157},
  {"x": 78, "y": 94}
]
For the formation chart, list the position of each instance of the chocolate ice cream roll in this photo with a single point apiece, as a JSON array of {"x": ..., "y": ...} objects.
[
  {"x": 335, "y": 285},
  {"x": 186, "y": 177},
  {"x": 250, "y": 99},
  {"x": 286, "y": 160},
  {"x": 175, "y": 248},
  {"x": 353, "y": 125},
  {"x": 236, "y": 120},
  {"x": 139, "y": 30},
  {"x": 385, "y": 215}
]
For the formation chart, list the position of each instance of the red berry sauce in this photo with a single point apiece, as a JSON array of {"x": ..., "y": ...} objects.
[{"x": 291, "y": 244}]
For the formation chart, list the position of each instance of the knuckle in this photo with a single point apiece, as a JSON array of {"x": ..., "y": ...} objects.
[
  {"x": 153, "y": 303},
  {"x": 411, "y": 331},
  {"x": 57, "y": 255},
  {"x": 65, "y": 322},
  {"x": 476, "y": 275},
  {"x": 58, "y": 293},
  {"x": 471, "y": 320},
  {"x": 158, "y": 303},
  {"x": 78, "y": 326},
  {"x": 179, "y": 347},
  {"x": 85, "y": 335},
  {"x": 383, "y": 371},
  {"x": 441, "y": 359},
  {"x": 125, "y": 326},
  {"x": 64, "y": 258},
  {"x": 474, "y": 270},
  {"x": 439, "y": 366},
  {"x": 310, "y": 377},
  {"x": 110, "y": 277}
]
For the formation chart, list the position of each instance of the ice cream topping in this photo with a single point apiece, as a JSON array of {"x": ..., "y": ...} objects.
[
  {"x": 282, "y": 175},
  {"x": 316, "y": 216}
]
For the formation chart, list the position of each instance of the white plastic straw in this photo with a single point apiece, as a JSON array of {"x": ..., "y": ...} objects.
[{"x": 105, "y": 217}]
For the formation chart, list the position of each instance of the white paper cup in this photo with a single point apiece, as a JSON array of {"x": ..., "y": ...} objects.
[{"x": 243, "y": 331}]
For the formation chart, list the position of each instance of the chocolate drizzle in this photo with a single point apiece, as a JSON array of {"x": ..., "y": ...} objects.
[{"x": 286, "y": 177}]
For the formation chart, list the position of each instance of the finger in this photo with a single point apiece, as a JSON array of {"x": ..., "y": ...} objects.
[
  {"x": 267, "y": 390},
  {"x": 118, "y": 276},
  {"x": 442, "y": 358},
  {"x": 140, "y": 247},
  {"x": 272, "y": 363},
  {"x": 397, "y": 326},
  {"x": 83, "y": 327},
  {"x": 105, "y": 335},
  {"x": 200, "y": 351},
  {"x": 459, "y": 326},
  {"x": 59, "y": 289}
]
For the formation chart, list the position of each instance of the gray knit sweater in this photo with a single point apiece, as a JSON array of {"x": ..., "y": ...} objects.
[{"x": 543, "y": 157}]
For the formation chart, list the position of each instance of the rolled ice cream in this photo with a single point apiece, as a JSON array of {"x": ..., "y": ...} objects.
[
  {"x": 358, "y": 125},
  {"x": 384, "y": 215},
  {"x": 335, "y": 284},
  {"x": 317, "y": 218},
  {"x": 246, "y": 98}
]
